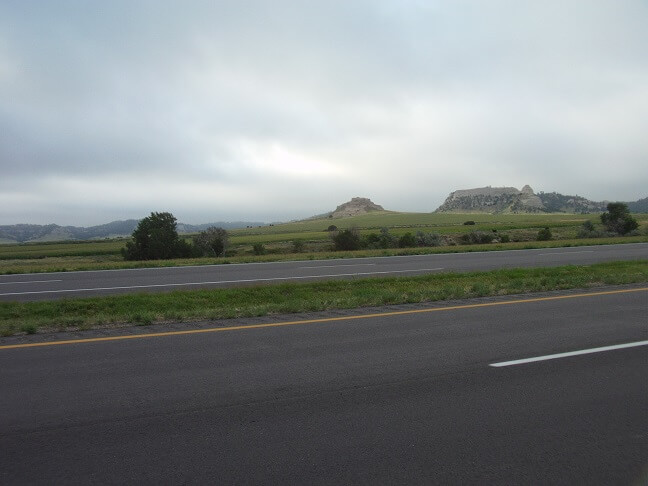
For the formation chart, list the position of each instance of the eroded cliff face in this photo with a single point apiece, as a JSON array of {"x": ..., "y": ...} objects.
[
  {"x": 357, "y": 205},
  {"x": 512, "y": 200}
]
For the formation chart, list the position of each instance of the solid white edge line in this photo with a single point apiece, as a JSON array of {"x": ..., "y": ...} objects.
[
  {"x": 344, "y": 265},
  {"x": 98, "y": 289},
  {"x": 30, "y": 282},
  {"x": 565, "y": 252},
  {"x": 570, "y": 353}
]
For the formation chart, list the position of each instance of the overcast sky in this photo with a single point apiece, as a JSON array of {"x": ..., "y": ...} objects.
[{"x": 276, "y": 110}]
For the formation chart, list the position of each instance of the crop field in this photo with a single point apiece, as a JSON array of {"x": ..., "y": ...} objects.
[
  {"x": 67, "y": 249},
  {"x": 278, "y": 240},
  {"x": 415, "y": 221}
]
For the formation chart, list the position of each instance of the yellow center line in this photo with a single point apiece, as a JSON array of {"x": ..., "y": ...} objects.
[{"x": 324, "y": 319}]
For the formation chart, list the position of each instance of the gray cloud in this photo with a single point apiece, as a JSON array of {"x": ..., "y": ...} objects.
[{"x": 278, "y": 110}]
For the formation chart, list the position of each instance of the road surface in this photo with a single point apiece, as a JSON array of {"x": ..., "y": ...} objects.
[
  {"x": 83, "y": 284},
  {"x": 415, "y": 395}
]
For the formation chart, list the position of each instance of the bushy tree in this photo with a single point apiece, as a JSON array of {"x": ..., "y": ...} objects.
[
  {"x": 346, "y": 240},
  {"x": 374, "y": 241},
  {"x": 407, "y": 241},
  {"x": 428, "y": 239},
  {"x": 211, "y": 242},
  {"x": 618, "y": 220},
  {"x": 156, "y": 238},
  {"x": 544, "y": 234}
]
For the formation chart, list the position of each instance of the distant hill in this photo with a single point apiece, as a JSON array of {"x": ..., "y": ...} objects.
[
  {"x": 512, "y": 200},
  {"x": 23, "y": 233},
  {"x": 640, "y": 206}
]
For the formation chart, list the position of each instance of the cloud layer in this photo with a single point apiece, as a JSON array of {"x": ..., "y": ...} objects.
[{"x": 277, "y": 110}]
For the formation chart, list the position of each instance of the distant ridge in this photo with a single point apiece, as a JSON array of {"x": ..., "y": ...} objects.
[
  {"x": 24, "y": 233},
  {"x": 512, "y": 200}
]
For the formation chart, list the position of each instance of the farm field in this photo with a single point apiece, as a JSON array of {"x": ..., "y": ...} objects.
[{"x": 278, "y": 240}]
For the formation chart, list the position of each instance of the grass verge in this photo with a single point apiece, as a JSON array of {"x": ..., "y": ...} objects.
[{"x": 179, "y": 306}]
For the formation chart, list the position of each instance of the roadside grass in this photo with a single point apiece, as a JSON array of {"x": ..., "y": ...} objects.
[{"x": 200, "y": 305}]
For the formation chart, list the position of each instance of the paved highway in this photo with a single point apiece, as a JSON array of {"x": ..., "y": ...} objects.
[
  {"x": 417, "y": 395},
  {"x": 79, "y": 284}
]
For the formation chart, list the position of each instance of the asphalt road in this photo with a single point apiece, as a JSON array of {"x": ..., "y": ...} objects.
[
  {"x": 82, "y": 284},
  {"x": 403, "y": 398}
]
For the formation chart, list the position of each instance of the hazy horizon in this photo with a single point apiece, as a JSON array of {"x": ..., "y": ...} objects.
[{"x": 277, "y": 221}]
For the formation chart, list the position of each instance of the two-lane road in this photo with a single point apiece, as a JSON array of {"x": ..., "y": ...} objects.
[{"x": 79, "y": 284}]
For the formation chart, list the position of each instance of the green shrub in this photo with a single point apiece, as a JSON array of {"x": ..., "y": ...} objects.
[
  {"x": 407, "y": 241},
  {"x": 544, "y": 234},
  {"x": 477, "y": 238},
  {"x": 211, "y": 242},
  {"x": 589, "y": 231},
  {"x": 346, "y": 240},
  {"x": 428, "y": 239},
  {"x": 259, "y": 249},
  {"x": 298, "y": 246}
]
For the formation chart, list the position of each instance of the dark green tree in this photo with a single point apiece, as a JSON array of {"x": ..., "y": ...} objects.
[
  {"x": 618, "y": 220},
  {"x": 211, "y": 242},
  {"x": 346, "y": 240},
  {"x": 407, "y": 241},
  {"x": 156, "y": 238},
  {"x": 544, "y": 234}
]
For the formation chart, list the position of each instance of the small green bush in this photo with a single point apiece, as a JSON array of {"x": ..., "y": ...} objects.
[
  {"x": 428, "y": 239},
  {"x": 259, "y": 249},
  {"x": 211, "y": 242},
  {"x": 544, "y": 234},
  {"x": 298, "y": 246},
  {"x": 407, "y": 241},
  {"x": 477, "y": 238},
  {"x": 346, "y": 240}
]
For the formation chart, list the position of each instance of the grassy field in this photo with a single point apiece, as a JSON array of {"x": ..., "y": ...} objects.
[
  {"x": 200, "y": 305},
  {"x": 278, "y": 240}
]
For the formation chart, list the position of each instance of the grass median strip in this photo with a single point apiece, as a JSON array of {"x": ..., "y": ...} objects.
[{"x": 186, "y": 306}]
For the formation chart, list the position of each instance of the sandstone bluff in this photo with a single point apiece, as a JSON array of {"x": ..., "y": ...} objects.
[{"x": 512, "y": 200}]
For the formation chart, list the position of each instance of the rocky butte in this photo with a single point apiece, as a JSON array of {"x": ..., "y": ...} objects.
[
  {"x": 357, "y": 205},
  {"x": 512, "y": 200}
]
